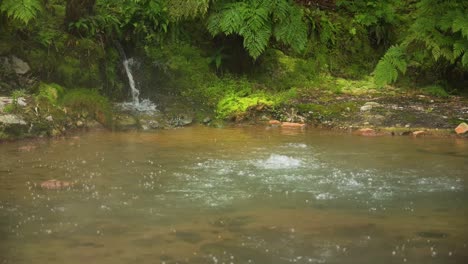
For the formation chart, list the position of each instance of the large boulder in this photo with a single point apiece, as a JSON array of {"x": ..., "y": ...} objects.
[{"x": 14, "y": 64}]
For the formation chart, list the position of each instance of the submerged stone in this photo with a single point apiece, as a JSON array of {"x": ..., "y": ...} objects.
[
  {"x": 274, "y": 122},
  {"x": 55, "y": 184},
  {"x": 419, "y": 133},
  {"x": 289, "y": 124},
  {"x": 366, "y": 132}
]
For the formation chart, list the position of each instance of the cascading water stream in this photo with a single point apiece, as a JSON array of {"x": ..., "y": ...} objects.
[
  {"x": 135, "y": 92},
  {"x": 135, "y": 105}
]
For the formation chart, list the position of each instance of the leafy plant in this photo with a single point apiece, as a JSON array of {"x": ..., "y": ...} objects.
[
  {"x": 91, "y": 102},
  {"x": 438, "y": 36},
  {"x": 435, "y": 90},
  {"x": 257, "y": 21},
  {"x": 389, "y": 66},
  {"x": 22, "y": 10}
]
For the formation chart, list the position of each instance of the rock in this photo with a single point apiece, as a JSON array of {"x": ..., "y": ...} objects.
[
  {"x": 11, "y": 120},
  {"x": 368, "y": 106},
  {"x": 206, "y": 120},
  {"x": 55, "y": 185},
  {"x": 49, "y": 118},
  {"x": 274, "y": 122},
  {"x": 418, "y": 133},
  {"x": 368, "y": 132},
  {"x": 462, "y": 128},
  {"x": 15, "y": 64},
  {"x": 19, "y": 66},
  {"x": 79, "y": 123},
  {"x": 375, "y": 120},
  {"x": 289, "y": 124},
  {"x": 407, "y": 125},
  {"x": 126, "y": 122}
]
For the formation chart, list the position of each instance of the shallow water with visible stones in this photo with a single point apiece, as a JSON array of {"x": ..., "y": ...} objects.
[{"x": 235, "y": 195}]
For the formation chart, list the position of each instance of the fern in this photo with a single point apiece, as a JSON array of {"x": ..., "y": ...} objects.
[
  {"x": 23, "y": 10},
  {"x": 389, "y": 66},
  {"x": 179, "y": 9},
  {"x": 257, "y": 21}
]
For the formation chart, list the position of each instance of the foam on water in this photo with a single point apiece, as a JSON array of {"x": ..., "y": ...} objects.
[
  {"x": 145, "y": 106},
  {"x": 276, "y": 161}
]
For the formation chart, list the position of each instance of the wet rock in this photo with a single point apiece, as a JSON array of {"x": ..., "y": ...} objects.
[
  {"x": 55, "y": 184},
  {"x": 462, "y": 128},
  {"x": 368, "y": 106},
  {"x": 182, "y": 120},
  {"x": 126, "y": 122},
  {"x": 206, "y": 120},
  {"x": 419, "y": 133},
  {"x": 291, "y": 125}
]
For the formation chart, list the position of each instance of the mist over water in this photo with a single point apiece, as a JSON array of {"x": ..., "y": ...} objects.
[{"x": 240, "y": 195}]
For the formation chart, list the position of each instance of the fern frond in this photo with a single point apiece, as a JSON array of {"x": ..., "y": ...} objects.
[
  {"x": 465, "y": 60},
  {"x": 23, "y": 10},
  {"x": 459, "y": 48},
  {"x": 187, "y": 8},
  {"x": 388, "y": 67},
  {"x": 233, "y": 17},
  {"x": 460, "y": 23},
  {"x": 255, "y": 42},
  {"x": 292, "y": 31},
  {"x": 213, "y": 24}
]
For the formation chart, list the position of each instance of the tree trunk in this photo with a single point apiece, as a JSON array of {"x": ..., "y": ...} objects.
[{"x": 77, "y": 9}]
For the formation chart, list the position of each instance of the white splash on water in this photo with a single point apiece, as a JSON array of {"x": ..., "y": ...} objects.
[{"x": 276, "y": 161}]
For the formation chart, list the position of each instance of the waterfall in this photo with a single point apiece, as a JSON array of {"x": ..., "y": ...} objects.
[
  {"x": 135, "y": 105},
  {"x": 135, "y": 92}
]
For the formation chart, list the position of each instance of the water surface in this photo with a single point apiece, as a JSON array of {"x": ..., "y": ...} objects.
[{"x": 237, "y": 195}]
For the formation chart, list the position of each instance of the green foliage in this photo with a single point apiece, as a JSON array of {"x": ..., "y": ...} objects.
[
  {"x": 22, "y": 10},
  {"x": 257, "y": 21},
  {"x": 233, "y": 104},
  {"x": 438, "y": 38},
  {"x": 90, "y": 102},
  {"x": 50, "y": 93},
  {"x": 278, "y": 71},
  {"x": 389, "y": 66},
  {"x": 435, "y": 90},
  {"x": 187, "y": 9}
]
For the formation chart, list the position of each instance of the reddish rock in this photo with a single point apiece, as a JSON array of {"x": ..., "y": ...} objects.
[
  {"x": 288, "y": 124},
  {"x": 367, "y": 132},
  {"x": 418, "y": 133},
  {"x": 462, "y": 128},
  {"x": 55, "y": 184},
  {"x": 274, "y": 122}
]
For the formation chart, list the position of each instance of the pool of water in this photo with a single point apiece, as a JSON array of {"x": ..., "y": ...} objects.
[{"x": 235, "y": 195}]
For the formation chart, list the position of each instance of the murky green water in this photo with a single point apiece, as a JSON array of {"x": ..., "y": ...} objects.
[{"x": 240, "y": 195}]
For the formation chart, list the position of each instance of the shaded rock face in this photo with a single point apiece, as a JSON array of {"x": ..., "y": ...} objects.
[{"x": 14, "y": 72}]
